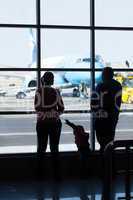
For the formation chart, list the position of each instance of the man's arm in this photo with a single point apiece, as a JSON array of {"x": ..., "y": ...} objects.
[{"x": 119, "y": 97}]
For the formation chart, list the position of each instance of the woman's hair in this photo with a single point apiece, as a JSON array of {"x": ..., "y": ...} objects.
[{"x": 47, "y": 78}]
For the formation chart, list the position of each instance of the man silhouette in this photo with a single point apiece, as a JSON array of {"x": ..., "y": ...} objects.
[{"x": 105, "y": 103}]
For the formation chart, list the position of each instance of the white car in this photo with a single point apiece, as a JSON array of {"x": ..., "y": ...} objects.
[{"x": 26, "y": 93}]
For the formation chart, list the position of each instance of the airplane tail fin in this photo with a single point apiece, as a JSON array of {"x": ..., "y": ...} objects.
[{"x": 33, "y": 47}]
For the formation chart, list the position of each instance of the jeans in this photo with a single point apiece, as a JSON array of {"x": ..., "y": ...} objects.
[{"x": 48, "y": 129}]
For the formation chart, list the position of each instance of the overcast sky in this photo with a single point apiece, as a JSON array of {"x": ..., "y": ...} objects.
[{"x": 113, "y": 46}]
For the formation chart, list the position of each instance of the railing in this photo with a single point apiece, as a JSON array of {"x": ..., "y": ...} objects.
[{"x": 108, "y": 193}]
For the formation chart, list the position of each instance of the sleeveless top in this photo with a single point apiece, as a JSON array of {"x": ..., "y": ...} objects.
[{"x": 48, "y": 103}]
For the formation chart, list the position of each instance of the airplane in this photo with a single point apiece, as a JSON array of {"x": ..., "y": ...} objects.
[
  {"x": 62, "y": 79},
  {"x": 66, "y": 79},
  {"x": 84, "y": 62}
]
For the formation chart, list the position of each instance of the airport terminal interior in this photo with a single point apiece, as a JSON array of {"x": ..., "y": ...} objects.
[{"x": 75, "y": 40}]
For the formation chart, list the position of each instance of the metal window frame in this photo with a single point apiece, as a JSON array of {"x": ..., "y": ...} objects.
[{"x": 38, "y": 27}]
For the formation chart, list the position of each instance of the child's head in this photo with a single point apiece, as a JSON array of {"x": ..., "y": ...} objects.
[{"x": 79, "y": 129}]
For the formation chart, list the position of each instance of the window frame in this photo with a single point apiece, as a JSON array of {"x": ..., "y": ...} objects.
[{"x": 92, "y": 29}]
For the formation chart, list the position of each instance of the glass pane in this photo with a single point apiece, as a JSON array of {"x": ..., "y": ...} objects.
[
  {"x": 67, "y": 140},
  {"x": 115, "y": 47},
  {"x": 17, "y": 133},
  {"x": 114, "y": 13},
  {"x": 124, "y": 129},
  {"x": 126, "y": 79},
  {"x": 58, "y": 44},
  {"x": 74, "y": 88},
  {"x": 17, "y": 47},
  {"x": 17, "y": 90},
  {"x": 64, "y": 12},
  {"x": 13, "y": 11}
]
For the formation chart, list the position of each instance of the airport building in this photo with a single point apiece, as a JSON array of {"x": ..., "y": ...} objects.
[{"x": 75, "y": 40}]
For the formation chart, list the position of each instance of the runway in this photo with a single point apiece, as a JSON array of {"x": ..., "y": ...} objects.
[
  {"x": 21, "y": 130},
  {"x": 18, "y": 132}
]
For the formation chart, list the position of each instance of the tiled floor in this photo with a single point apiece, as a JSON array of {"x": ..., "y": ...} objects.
[{"x": 53, "y": 190}]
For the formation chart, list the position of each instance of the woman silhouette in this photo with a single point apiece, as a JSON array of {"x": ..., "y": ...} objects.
[{"x": 49, "y": 106}]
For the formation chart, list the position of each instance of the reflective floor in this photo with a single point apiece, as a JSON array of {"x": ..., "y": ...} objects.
[
  {"x": 50, "y": 190},
  {"x": 54, "y": 190}
]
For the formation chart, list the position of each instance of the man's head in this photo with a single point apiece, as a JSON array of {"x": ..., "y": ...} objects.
[
  {"x": 47, "y": 78},
  {"x": 107, "y": 73}
]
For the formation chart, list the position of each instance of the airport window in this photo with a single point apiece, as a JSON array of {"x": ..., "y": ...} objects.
[
  {"x": 117, "y": 49},
  {"x": 18, "y": 44},
  {"x": 65, "y": 12},
  {"x": 113, "y": 13},
  {"x": 74, "y": 40},
  {"x": 66, "y": 45},
  {"x": 17, "y": 12}
]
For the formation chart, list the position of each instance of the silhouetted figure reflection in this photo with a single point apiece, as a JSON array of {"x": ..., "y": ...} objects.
[
  {"x": 105, "y": 103},
  {"x": 49, "y": 106},
  {"x": 42, "y": 191}
]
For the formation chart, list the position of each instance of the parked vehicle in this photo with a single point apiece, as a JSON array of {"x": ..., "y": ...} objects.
[
  {"x": 28, "y": 89},
  {"x": 127, "y": 92}
]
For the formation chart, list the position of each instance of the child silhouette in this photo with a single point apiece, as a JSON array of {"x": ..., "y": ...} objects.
[{"x": 81, "y": 139}]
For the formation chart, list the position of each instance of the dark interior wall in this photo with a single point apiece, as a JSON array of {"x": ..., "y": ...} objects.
[{"x": 68, "y": 165}]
